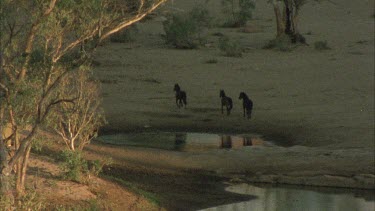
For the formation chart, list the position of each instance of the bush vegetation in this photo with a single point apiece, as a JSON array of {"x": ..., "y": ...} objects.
[
  {"x": 229, "y": 47},
  {"x": 321, "y": 45},
  {"x": 73, "y": 165},
  {"x": 212, "y": 61},
  {"x": 281, "y": 43},
  {"x": 185, "y": 31},
  {"x": 238, "y": 12},
  {"x": 76, "y": 168}
]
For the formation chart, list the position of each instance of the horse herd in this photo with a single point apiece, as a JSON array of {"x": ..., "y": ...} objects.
[{"x": 225, "y": 101}]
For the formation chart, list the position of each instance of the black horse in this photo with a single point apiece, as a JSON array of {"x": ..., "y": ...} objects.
[
  {"x": 225, "y": 101},
  {"x": 247, "y": 105},
  {"x": 180, "y": 96}
]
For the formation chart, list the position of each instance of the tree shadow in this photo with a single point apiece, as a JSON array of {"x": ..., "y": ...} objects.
[{"x": 183, "y": 190}]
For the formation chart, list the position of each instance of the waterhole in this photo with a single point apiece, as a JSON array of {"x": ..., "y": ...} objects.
[
  {"x": 278, "y": 198},
  {"x": 185, "y": 141}
]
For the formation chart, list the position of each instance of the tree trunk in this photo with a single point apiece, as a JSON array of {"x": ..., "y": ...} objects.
[
  {"x": 72, "y": 145},
  {"x": 289, "y": 21},
  {"x": 24, "y": 168},
  {"x": 18, "y": 165},
  {"x": 295, "y": 21},
  {"x": 280, "y": 26},
  {"x": 6, "y": 193}
]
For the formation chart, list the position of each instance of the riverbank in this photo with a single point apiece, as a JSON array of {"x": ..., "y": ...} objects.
[{"x": 265, "y": 164}]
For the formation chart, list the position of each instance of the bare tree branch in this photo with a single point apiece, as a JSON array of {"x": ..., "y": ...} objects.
[{"x": 126, "y": 23}]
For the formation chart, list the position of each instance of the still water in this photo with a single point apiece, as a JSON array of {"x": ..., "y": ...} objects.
[
  {"x": 185, "y": 141},
  {"x": 266, "y": 198},
  {"x": 287, "y": 199}
]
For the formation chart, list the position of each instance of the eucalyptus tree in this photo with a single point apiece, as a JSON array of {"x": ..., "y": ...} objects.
[
  {"x": 44, "y": 42},
  {"x": 238, "y": 11},
  {"x": 77, "y": 122},
  {"x": 287, "y": 17}
]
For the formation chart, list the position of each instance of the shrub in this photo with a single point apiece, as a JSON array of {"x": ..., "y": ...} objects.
[
  {"x": 212, "y": 61},
  {"x": 321, "y": 45},
  {"x": 281, "y": 43},
  {"x": 185, "y": 31},
  {"x": 96, "y": 166},
  {"x": 230, "y": 48},
  {"x": 218, "y": 34},
  {"x": 73, "y": 165},
  {"x": 238, "y": 12},
  {"x": 31, "y": 200},
  {"x": 126, "y": 35}
]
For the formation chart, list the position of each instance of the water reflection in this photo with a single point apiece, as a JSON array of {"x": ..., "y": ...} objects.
[
  {"x": 226, "y": 141},
  {"x": 272, "y": 199},
  {"x": 184, "y": 141},
  {"x": 180, "y": 141},
  {"x": 203, "y": 141}
]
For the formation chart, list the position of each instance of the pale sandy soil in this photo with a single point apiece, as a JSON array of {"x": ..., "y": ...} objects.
[{"x": 321, "y": 101}]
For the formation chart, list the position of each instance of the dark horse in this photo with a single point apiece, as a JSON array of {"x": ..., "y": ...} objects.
[
  {"x": 180, "y": 96},
  {"x": 247, "y": 105},
  {"x": 225, "y": 101}
]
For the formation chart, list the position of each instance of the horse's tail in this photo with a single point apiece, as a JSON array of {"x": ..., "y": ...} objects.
[
  {"x": 184, "y": 98},
  {"x": 250, "y": 109},
  {"x": 230, "y": 103}
]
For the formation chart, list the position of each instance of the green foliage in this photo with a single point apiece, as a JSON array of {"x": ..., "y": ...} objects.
[
  {"x": 31, "y": 201},
  {"x": 200, "y": 15},
  {"x": 212, "y": 61},
  {"x": 83, "y": 116},
  {"x": 281, "y": 43},
  {"x": 96, "y": 166},
  {"x": 76, "y": 168},
  {"x": 184, "y": 31},
  {"x": 73, "y": 165},
  {"x": 39, "y": 143},
  {"x": 44, "y": 45},
  {"x": 238, "y": 12},
  {"x": 94, "y": 205},
  {"x": 126, "y": 35},
  {"x": 321, "y": 45},
  {"x": 230, "y": 48},
  {"x": 5, "y": 203}
]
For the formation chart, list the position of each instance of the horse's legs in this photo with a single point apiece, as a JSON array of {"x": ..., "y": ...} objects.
[
  {"x": 249, "y": 114},
  {"x": 222, "y": 108}
]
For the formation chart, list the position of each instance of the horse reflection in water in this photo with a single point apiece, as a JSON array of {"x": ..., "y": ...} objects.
[
  {"x": 180, "y": 141},
  {"x": 229, "y": 142},
  {"x": 226, "y": 142},
  {"x": 247, "y": 141}
]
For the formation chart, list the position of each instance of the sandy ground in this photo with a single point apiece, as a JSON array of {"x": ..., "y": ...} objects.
[
  {"x": 44, "y": 176},
  {"x": 321, "y": 101}
]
